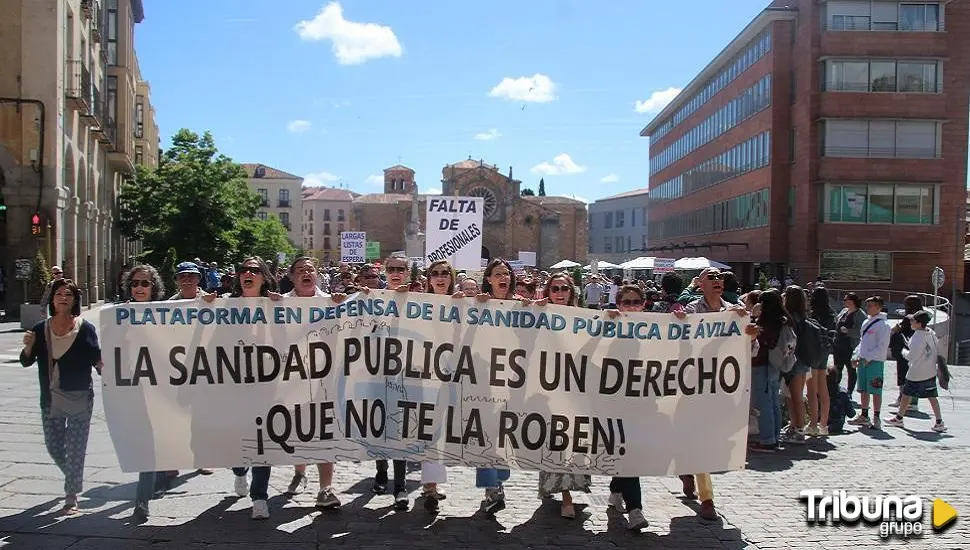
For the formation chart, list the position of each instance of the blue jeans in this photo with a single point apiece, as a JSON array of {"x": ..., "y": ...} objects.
[
  {"x": 259, "y": 486},
  {"x": 489, "y": 478},
  {"x": 765, "y": 385}
]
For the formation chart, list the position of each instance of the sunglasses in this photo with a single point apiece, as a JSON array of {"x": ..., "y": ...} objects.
[
  {"x": 559, "y": 289},
  {"x": 441, "y": 274},
  {"x": 141, "y": 283},
  {"x": 250, "y": 269},
  {"x": 395, "y": 269},
  {"x": 714, "y": 277},
  {"x": 630, "y": 303}
]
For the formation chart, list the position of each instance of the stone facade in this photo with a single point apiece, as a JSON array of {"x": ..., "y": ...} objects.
[
  {"x": 326, "y": 212},
  {"x": 553, "y": 227},
  {"x": 282, "y": 195}
]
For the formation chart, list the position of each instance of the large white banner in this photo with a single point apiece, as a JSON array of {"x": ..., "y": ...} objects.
[
  {"x": 423, "y": 377},
  {"x": 453, "y": 231}
]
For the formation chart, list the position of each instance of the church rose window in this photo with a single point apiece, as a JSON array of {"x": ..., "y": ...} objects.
[{"x": 488, "y": 198}]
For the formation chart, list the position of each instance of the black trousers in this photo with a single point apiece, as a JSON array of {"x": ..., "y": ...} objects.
[
  {"x": 629, "y": 487},
  {"x": 400, "y": 473}
]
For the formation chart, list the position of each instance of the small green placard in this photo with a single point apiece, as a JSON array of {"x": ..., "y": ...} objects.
[{"x": 373, "y": 250}]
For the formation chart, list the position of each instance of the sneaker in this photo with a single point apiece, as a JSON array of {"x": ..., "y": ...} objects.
[
  {"x": 876, "y": 424},
  {"x": 939, "y": 427},
  {"x": 494, "y": 500},
  {"x": 708, "y": 511},
  {"x": 327, "y": 500},
  {"x": 140, "y": 513},
  {"x": 637, "y": 521},
  {"x": 860, "y": 420},
  {"x": 401, "y": 500},
  {"x": 914, "y": 406},
  {"x": 894, "y": 421},
  {"x": 432, "y": 499},
  {"x": 241, "y": 486},
  {"x": 811, "y": 431},
  {"x": 379, "y": 487},
  {"x": 297, "y": 484},
  {"x": 794, "y": 437},
  {"x": 762, "y": 448},
  {"x": 823, "y": 431},
  {"x": 260, "y": 509},
  {"x": 616, "y": 502}
]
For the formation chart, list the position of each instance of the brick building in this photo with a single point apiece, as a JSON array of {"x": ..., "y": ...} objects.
[
  {"x": 553, "y": 227},
  {"x": 829, "y": 138}
]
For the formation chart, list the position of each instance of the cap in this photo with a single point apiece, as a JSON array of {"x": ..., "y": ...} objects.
[{"x": 187, "y": 267}]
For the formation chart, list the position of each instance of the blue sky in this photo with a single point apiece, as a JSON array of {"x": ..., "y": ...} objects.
[{"x": 339, "y": 91}]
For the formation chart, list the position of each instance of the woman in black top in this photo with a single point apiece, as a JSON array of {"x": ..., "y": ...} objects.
[{"x": 65, "y": 348}]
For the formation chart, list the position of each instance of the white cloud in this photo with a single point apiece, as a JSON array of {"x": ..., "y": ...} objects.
[
  {"x": 610, "y": 178},
  {"x": 537, "y": 88},
  {"x": 353, "y": 43},
  {"x": 298, "y": 126},
  {"x": 319, "y": 179},
  {"x": 432, "y": 191},
  {"x": 374, "y": 180},
  {"x": 657, "y": 101},
  {"x": 561, "y": 164},
  {"x": 489, "y": 135}
]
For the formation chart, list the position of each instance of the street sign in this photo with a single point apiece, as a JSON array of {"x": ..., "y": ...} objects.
[
  {"x": 24, "y": 267},
  {"x": 937, "y": 277}
]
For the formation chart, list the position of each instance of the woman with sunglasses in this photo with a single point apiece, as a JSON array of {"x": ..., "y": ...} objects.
[
  {"x": 560, "y": 291},
  {"x": 65, "y": 348},
  {"x": 142, "y": 283},
  {"x": 254, "y": 279},
  {"x": 496, "y": 285},
  {"x": 625, "y": 493}
]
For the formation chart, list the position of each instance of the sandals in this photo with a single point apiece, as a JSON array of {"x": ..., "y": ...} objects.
[{"x": 70, "y": 506}]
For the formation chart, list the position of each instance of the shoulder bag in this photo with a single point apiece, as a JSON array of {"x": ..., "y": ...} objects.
[{"x": 64, "y": 403}]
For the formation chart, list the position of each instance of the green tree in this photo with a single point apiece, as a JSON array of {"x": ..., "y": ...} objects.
[
  {"x": 264, "y": 238},
  {"x": 542, "y": 187},
  {"x": 528, "y": 192},
  {"x": 415, "y": 273},
  {"x": 196, "y": 201},
  {"x": 40, "y": 277},
  {"x": 166, "y": 270}
]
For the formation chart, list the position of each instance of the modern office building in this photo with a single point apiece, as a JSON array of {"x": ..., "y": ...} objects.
[
  {"x": 829, "y": 138},
  {"x": 618, "y": 226},
  {"x": 282, "y": 195},
  {"x": 69, "y": 123}
]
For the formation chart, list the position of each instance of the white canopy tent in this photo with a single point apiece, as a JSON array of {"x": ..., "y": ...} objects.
[
  {"x": 564, "y": 264},
  {"x": 643, "y": 262},
  {"x": 698, "y": 263},
  {"x": 602, "y": 265}
]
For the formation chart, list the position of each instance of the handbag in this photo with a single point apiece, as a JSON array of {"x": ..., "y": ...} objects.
[{"x": 64, "y": 403}]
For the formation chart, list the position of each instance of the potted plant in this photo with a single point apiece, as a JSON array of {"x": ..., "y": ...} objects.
[{"x": 32, "y": 311}]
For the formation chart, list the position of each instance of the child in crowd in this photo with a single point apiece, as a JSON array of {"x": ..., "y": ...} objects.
[
  {"x": 921, "y": 376},
  {"x": 869, "y": 359}
]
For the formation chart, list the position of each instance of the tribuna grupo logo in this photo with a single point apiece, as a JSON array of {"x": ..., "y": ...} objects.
[{"x": 896, "y": 516}]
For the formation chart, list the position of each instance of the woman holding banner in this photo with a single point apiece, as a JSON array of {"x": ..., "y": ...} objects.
[
  {"x": 254, "y": 279},
  {"x": 561, "y": 291},
  {"x": 142, "y": 283},
  {"x": 65, "y": 348}
]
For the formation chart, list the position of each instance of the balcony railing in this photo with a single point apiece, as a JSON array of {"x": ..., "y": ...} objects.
[
  {"x": 284, "y": 203},
  {"x": 882, "y": 152},
  {"x": 77, "y": 85}
]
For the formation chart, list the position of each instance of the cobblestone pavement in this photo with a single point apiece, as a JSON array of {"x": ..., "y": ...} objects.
[{"x": 759, "y": 506}]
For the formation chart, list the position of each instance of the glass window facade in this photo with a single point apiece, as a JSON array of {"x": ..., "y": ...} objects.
[
  {"x": 734, "y": 68},
  {"x": 740, "y": 159},
  {"x": 861, "y": 138},
  {"x": 880, "y": 15},
  {"x": 884, "y": 203},
  {"x": 862, "y": 75},
  {"x": 743, "y": 212},
  {"x": 841, "y": 265},
  {"x": 750, "y": 102}
]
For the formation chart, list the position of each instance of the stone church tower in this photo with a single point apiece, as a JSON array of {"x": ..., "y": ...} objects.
[{"x": 399, "y": 180}]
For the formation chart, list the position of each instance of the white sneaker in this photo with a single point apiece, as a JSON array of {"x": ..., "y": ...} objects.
[
  {"x": 939, "y": 427},
  {"x": 894, "y": 421},
  {"x": 616, "y": 502},
  {"x": 823, "y": 431},
  {"x": 636, "y": 520},
  {"x": 241, "y": 486},
  {"x": 260, "y": 509}
]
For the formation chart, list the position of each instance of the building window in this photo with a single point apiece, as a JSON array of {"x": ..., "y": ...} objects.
[
  {"x": 112, "y": 32},
  {"x": 326, "y": 215},
  {"x": 742, "y": 158},
  {"x": 881, "y": 203},
  {"x": 855, "y": 266},
  {"x": 863, "y": 15},
  {"x": 340, "y": 228},
  {"x": 311, "y": 243},
  {"x": 139, "y": 155},
  {"x": 607, "y": 220},
  {"x": 340, "y": 216},
  {"x": 284, "y": 196},
  {"x": 285, "y": 219},
  {"x": 907, "y": 76},
  {"x": 747, "y": 211},
  {"x": 643, "y": 242},
  {"x": 261, "y": 215},
  {"x": 919, "y": 17},
  {"x": 748, "y": 103},
  {"x": 607, "y": 244},
  {"x": 882, "y": 138},
  {"x": 326, "y": 228},
  {"x": 326, "y": 243},
  {"x": 263, "y": 197},
  {"x": 112, "y": 101},
  {"x": 619, "y": 218},
  {"x": 140, "y": 118},
  {"x": 310, "y": 214},
  {"x": 619, "y": 244}
]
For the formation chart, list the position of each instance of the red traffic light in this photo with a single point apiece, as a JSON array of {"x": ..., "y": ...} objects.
[{"x": 35, "y": 220}]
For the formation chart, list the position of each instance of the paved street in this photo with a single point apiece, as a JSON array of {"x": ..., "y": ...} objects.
[{"x": 759, "y": 505}]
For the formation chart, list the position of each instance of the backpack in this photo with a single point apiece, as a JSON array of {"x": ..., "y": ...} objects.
[
  {"x": 840, "y": 408},
  {"x": 782, "y": 356},
  {"x": 812, "y": 346}
]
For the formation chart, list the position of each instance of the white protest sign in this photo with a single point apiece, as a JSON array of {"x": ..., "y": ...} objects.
[
  {"x": 353, "y": 247},
  {"x": 453, "y": 231},
  {"x": 423, "y": 377},
  {"x": 663, "y": 265},
  {"x": 528, "y": 258}
]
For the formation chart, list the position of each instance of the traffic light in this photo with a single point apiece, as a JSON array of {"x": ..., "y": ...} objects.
[{"x": 35, "y": 224}]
